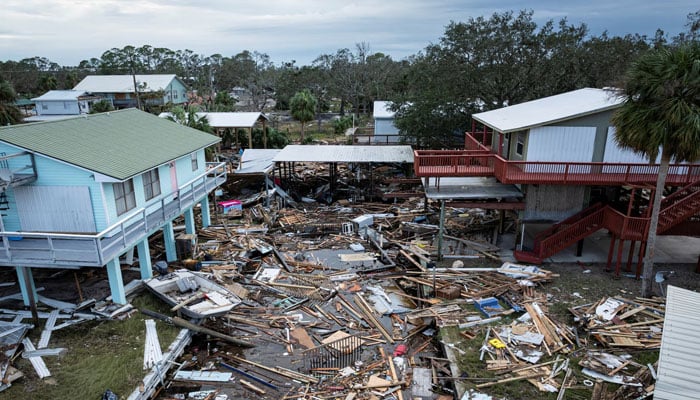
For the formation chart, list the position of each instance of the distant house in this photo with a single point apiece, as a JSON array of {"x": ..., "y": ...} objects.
[
  {"x": 384, "y": 129},
  {"x": 152, "y": 89},
  {"x": 64, "y": 102},
  {"x": 82, "y": 192}
]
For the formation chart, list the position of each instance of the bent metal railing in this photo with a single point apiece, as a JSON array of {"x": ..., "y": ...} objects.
[{"x": 50, "y": 249}]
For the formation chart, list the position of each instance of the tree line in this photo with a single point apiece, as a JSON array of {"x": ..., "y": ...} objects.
[{"x": 478, "y": 64}]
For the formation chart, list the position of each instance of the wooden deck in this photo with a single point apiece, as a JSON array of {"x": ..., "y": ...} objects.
[
  {"x": 466, "y": 163},
  {"x": 48, "y": 249}
]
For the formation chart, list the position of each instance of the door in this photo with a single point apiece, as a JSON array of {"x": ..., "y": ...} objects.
[{"x": 173, "y": 178}]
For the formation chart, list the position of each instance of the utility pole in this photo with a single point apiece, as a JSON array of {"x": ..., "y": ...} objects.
[{"x": 136, "y": 87}]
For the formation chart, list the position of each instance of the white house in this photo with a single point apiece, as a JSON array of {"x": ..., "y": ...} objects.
[
  {"x": 384, "y": 129},
  {"x": 64, "y": 102}
]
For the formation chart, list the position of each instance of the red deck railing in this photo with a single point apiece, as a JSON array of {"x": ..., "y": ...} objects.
[
  {"x": 676, "y": 208},
  {"x": 477, "y": 160}
]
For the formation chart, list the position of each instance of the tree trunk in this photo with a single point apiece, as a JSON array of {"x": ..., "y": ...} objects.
[
  {"x": 648, "y": 271},
  {"x": 301, "y": 139}
]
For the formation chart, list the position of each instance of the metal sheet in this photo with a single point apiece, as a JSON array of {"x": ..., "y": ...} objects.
[
  {"x": 55, "y": 209},
  {"x": 469, "y": 188},
  {"x": 561, "y": 143},
  {"x": 232, "y": 119},
  {"x": 548, "y": 110},
  {"x": 339, "y": 153},
  {"x": 257, "y": 161},
  {"x": 677, "y": 372}
]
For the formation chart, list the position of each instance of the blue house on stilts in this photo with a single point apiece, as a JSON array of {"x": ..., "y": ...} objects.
[{"x": 84, "y": 191}]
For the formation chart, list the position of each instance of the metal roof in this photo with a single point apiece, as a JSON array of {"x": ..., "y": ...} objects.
[
  {"x": 124, "y": 83},
  {"x": 60, "y": 95},
  {"x": 118, "y": 144},
  {"x": 679, "y": 357},
  {"x": 257, "y": 161},
  {"x": 341, "y": 153},
  {"x": 382, "y": 110},
  {"x": 233, "y": 119},
  {"x": 549, "y": 110},
  {"x": 470, "y": 189}
]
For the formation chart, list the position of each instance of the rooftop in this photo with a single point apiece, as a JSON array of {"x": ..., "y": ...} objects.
[
  {"x": 117, "y": 144},
  {"x": 549, "y": 110}
]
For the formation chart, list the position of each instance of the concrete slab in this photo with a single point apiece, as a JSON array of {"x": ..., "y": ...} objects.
[{"x": 669, "y": 249}]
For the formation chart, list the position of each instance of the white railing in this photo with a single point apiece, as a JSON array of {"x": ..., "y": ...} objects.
[{"x": 54, "y": 249}]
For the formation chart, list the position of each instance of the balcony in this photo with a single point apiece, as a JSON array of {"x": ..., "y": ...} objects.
[
  {"x": 48, "y": 249},
  {"x": 477, "y": 160}
]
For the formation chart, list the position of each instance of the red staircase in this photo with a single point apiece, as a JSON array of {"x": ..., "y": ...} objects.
[{"x": 675, "y": 209}]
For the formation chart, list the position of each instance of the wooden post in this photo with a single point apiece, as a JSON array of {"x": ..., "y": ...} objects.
[
  {"x": 441, "y": 230},
  {"x": 630, "y": 255},
  {"x": 610, "y": 252}
]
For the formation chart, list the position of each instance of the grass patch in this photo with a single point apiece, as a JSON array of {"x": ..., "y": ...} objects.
[{"x": 101, "y": 355}]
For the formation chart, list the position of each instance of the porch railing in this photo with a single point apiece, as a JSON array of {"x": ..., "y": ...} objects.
[{"x": 48, "y": 249}]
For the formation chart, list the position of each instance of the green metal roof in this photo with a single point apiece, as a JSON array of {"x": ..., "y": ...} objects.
[{"x": 119, "y": 144}]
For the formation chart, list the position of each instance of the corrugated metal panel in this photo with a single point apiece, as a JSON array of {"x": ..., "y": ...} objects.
[
  {"x": 55, "y": 209},
  {"x": 257, "y": 161},
  {"x": 232, "y": 119},
  {"x": 549, "y": 110},
  {"x": 679, "y": 357},
  {"x": 357, "y": 154},
  {"x": 616, "y": 154},
  {"x": 61, "y": 95},
  {"x": 561, "y": 143},
  {"x": 124, "y": 83},
  {"x": 553, "y": 202},
  {"x": 118, "y": 144}
]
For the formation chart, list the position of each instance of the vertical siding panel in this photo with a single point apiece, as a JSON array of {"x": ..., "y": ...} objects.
[
  {"x": 561, "y": 143},
  {"x": 679, "y": 356}
]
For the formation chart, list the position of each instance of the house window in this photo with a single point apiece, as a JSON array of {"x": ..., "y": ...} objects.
[
  {"x": 195, "y": 165},
  {"x": 175, "y": 94},
  {"x": 151, "y": 184},
  {"x": 520, "y": 144},
  {"x": 44, "y": 106},
  {"x": 124, "y": 196}
]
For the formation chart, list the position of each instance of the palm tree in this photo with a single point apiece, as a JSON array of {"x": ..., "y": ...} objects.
[
  {"x": 9, "y": 113},
  {"x": 303, "y": 106},
  {"x": 661, "y": 113}
]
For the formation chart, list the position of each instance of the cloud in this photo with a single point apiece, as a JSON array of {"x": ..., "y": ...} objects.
[{"x": 67, "y": 31}]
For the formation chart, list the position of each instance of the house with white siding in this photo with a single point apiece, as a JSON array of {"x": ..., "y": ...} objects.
[
  {"x": 384, "y": 129},
  {"x": 125, "y": 91},
  {"x": 569, "y": 127},
  {"x": 64, "y": 102},
  {"x": 560, "y": 152},
  {"x": 84, "y": 191}
]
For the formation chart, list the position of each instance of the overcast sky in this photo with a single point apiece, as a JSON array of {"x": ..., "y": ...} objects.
[{"x": 68, "y": 31}]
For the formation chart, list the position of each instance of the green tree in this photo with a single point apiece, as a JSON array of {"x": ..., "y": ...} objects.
[
  {"x": 303, "y": 107},
  {"x": 101, "y": 106},
  {"x": 188, "y": 117},
  {"x": 47, "y": 82},
  {"x": 661, "y": 113},
  {"x": 9, "y": 113}
]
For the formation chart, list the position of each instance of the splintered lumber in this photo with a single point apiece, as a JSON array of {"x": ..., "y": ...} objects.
[
  {"x": 182, "y": 323},
  {"x": 546, "y": 327},
  {"x": 251, "y": 386},
  {"x": 280, "y": 371},
  {"x": 515, "y": 378},
  {"x": 367, "y": 310}
]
